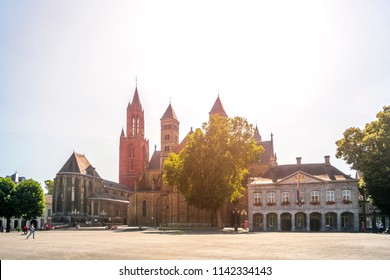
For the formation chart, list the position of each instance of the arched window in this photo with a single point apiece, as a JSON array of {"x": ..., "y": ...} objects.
[
  {"x": 144, "y": 208},
  {"x": 137, "y": 125},
  {"x": 132, "y": 125}
]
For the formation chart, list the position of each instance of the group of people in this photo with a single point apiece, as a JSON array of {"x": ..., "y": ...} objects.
[
  {"x": 111, "y": 226},
  {"x": 380, "y": 227}
]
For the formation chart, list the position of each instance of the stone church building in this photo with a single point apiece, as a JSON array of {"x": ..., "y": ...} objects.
[
  {"x": 141, "y": 199},
  {"x": 152, "y": 203}
]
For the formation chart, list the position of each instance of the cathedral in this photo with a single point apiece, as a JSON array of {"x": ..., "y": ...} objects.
[{"x": 270, "y": 201}]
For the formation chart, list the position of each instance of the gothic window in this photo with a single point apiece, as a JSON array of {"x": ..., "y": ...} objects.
[
  {"x": 68, "y": 199},
  {"x": 138, "y": 126},
  {"x": 131, "y": 151},
  {"x": 132, "y": 126},
  {"x": 167, "y": 148},
  {"x": 166, "y": 136},
  {"x": 144, "y": 208},
  {"x": 76, "y": 193}
]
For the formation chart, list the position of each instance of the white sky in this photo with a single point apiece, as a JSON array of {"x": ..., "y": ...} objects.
[{"x": 303, "y": 70}]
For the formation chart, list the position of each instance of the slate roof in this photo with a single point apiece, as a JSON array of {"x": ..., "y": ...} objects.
[
  {"x": 169, "y": 114},
  {"x": 320, "y": 170},
  {"x": 183, "y": 142},
  {"x": 108, "y": 197},
  {"x": 218, "y": 109},
  {"x": 268, "y": 151},
  {"x": 115, "y": 186},
  {"x": 155, "y": 160},
  {"x": 78, "y": 163}
]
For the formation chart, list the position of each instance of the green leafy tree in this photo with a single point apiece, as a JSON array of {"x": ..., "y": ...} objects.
[
  {"x": 49, "y": 186},
  {"x": 211, "y": 168},
  {"x": 30, "y": 199},
  {"x": 368, "y": 151},
  {"x": 8, "y": 206}
]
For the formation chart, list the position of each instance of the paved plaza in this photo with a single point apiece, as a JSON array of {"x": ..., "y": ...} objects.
[{"x": 151, "y": 244}]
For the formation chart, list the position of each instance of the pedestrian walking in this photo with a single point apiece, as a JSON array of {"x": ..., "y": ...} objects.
[{"x": 32, "y": 231}]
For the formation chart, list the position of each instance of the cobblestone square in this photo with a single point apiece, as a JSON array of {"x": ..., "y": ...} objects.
[{"x": 151, "y": 244}]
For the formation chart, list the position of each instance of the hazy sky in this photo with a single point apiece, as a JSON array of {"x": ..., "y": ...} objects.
[{"x": 303, "y": 70}]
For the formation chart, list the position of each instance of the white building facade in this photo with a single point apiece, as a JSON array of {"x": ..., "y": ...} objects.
[{"x": 303, "y": 197}]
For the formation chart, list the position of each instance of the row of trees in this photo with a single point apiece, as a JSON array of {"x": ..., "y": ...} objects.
[{"x": 24, "y": 200}]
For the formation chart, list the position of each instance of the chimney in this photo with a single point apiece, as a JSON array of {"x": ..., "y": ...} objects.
[
  {"x": 299, "y": 161},
  {"x": 327, "y": 161}
]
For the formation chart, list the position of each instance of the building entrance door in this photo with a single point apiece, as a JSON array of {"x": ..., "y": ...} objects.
[
  {"x": 315, "y": 219},
  {"x": 286, "y": 221}
]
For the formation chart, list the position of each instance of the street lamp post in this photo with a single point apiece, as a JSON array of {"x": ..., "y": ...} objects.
[
  {"x": 236, "y": 212},
  {"x": 374, "y": 228},
  {"x": 244, "y": 217},
  {"x": 103, "y": 214}
]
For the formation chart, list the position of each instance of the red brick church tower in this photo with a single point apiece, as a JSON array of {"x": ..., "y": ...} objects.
[{"x": 133, "y": 147}]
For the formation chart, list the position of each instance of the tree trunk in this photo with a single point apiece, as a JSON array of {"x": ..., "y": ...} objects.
[
  {"x": 219, "y": 219},
  {"x": 8, "y": 225}
]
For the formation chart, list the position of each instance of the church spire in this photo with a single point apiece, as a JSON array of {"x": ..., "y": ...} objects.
[
  {"x": 136, "y": 99},
  {"x": 257, "y": 135},
  {"x": 218, "y": 108}
]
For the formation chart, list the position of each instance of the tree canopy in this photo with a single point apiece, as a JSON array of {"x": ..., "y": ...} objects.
[
  {"x": 368, "y": 151},
  {"x": 7, "y": 200},
  {"x": 211, "y": 168},
  {"x": 30, "y": 199},
  {"x": 49, "y": 186}
]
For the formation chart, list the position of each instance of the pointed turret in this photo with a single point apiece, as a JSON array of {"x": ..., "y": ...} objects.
[
  {"x": 136, "y": 103},
  {"x": 169, "y": 132},
  {"x": 123, "y": 133},
  {"x": 135, "y": 117},
  {"x": 218, "y": 109},
  {"x": 169, "y": 114},
  {"x": 136, "y": 97},
  {"x": 257, "y": 135}
]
